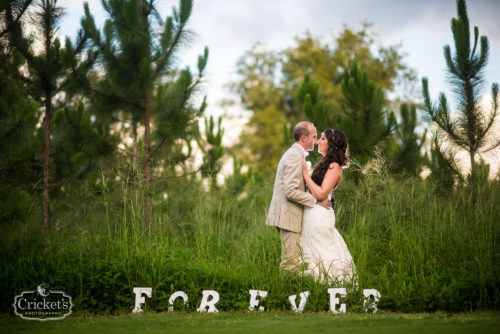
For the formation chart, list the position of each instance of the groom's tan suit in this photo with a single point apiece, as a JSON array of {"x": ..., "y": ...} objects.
[{"x": 287, "y": 204}]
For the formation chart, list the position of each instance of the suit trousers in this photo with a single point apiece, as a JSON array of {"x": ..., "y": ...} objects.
[{"x": 290, "y": 249}]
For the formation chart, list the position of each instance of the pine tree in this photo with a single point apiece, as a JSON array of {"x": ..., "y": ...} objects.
[
  {"x": 235, "y": 183},
  {"x": 212, "y": 149},
  {"x": 316, "y": 110},
  {"x": 444, "y": 171},
  {"x": 18, "y": 118},
  {"x": 471, "y": 128},
  {"x": 366, "y": 122},
  {"x": 80, "y": 143},
  {"x": 47, "y": 73},
  {"x": 407, "y": 156},
  {"x": 137, "y": 51},
  {"x": 314, "y": 106}
]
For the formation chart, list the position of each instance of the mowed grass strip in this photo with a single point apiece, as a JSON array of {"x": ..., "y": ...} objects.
[{"x": 267, "y": 322}]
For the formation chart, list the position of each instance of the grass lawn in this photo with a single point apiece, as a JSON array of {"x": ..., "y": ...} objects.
[{"x": 268, "y": 322}]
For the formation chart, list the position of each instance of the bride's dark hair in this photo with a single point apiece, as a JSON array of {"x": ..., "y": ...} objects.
[{"x": 337, "y": 152}]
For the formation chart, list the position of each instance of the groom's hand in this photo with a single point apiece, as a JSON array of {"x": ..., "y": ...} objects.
[{"x": 326, "y": 203}]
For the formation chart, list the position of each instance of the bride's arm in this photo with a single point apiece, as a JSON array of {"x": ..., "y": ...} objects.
[{"x": 330, "y": 180}]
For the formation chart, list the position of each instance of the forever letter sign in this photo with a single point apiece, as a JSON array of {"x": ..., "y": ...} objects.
[{"x": 211, "y": 297}]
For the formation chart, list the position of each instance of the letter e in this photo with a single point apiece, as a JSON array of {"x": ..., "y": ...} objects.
[
  {"x": 334, "y": 301},
  {"x": 254, "y": 302}
]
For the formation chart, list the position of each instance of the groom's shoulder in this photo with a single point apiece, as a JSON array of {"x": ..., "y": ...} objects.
[{"x": 292, "y": 152}]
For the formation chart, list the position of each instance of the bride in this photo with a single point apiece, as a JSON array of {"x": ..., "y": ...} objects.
[{"x": 323, "y": 249}]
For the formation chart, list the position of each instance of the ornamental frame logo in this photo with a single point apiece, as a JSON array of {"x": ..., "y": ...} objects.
[{"x": 43, "y": 304}]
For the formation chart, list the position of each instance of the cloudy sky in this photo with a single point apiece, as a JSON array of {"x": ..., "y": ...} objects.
[{"x": 230, "y": 27}]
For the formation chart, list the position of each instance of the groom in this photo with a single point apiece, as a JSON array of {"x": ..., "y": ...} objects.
[{"x": 290, "y": 196}]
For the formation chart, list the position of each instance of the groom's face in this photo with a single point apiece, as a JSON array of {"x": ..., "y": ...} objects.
[{"x": 310, "y": 139}]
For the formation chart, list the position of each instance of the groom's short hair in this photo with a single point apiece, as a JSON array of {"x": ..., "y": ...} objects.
[{"x": 301, "y": 129}]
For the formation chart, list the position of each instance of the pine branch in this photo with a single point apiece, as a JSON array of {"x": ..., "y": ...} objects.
[
  {"x": 165, "y": 178},
  {"x": 103, "y": 94},
  {"x": 476, "y": 38},
  {"x": 12, "y": 22},
  {"x": 72, "y": 177},
  {"x": 490, "y": 148},
  {"x": 163, "y": 60},
  {"x": 185, "y": 98},
  {"x": 494, "y": 113},
  {"x": 90, "y": 31}
]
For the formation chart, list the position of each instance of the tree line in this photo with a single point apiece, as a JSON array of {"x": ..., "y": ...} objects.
[
  {"x": 66, "y": 106},
  {"x": 347, "y": 85},
  {"x": 64, "y": 103}
]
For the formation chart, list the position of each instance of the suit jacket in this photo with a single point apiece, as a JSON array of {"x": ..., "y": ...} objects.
[{"x": 289, "y": 195}]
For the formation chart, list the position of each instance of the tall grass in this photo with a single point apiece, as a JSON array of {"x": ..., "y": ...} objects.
[{"x": 423, "y": 250}]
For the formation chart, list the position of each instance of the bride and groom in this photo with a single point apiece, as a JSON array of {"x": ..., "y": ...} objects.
[{"x": 304, "y": 216}]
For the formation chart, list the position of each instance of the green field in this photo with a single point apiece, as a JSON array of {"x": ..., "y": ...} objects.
[
  {"x": 272, "y": 322},
  {"x": 422, "y": 251}
]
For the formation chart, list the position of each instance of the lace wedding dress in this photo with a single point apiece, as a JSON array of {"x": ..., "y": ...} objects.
[{"x": 324, "y": 251}]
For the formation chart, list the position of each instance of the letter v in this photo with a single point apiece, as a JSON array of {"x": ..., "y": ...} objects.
[{"x": 302, "y": 303}]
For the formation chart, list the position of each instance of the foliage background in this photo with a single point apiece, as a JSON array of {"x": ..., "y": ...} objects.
[
  {"x": 425, "y": 244},
  {"x": 413, "y": 244}
]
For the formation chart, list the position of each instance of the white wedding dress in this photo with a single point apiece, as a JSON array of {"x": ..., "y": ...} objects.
[{"x": 324, "y": 251}]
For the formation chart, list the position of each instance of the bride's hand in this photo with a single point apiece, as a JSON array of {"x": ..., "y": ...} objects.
[{"x": 305, "y": 167}]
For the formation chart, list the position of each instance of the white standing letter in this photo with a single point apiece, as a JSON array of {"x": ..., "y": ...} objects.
[
  {"x": 334, "y": 301},
  {"x": 139, "y": 299},
  {"x": 368, "y": 293},
  {"x": 253, "y": 299},
  {"x": 302, "y": 303},
  {"x": 207, "y": 305},
  {"x": 174, "y": 296}
]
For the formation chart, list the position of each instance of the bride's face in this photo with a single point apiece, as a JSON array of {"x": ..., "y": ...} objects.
[{"x": 323, "y": 144}]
